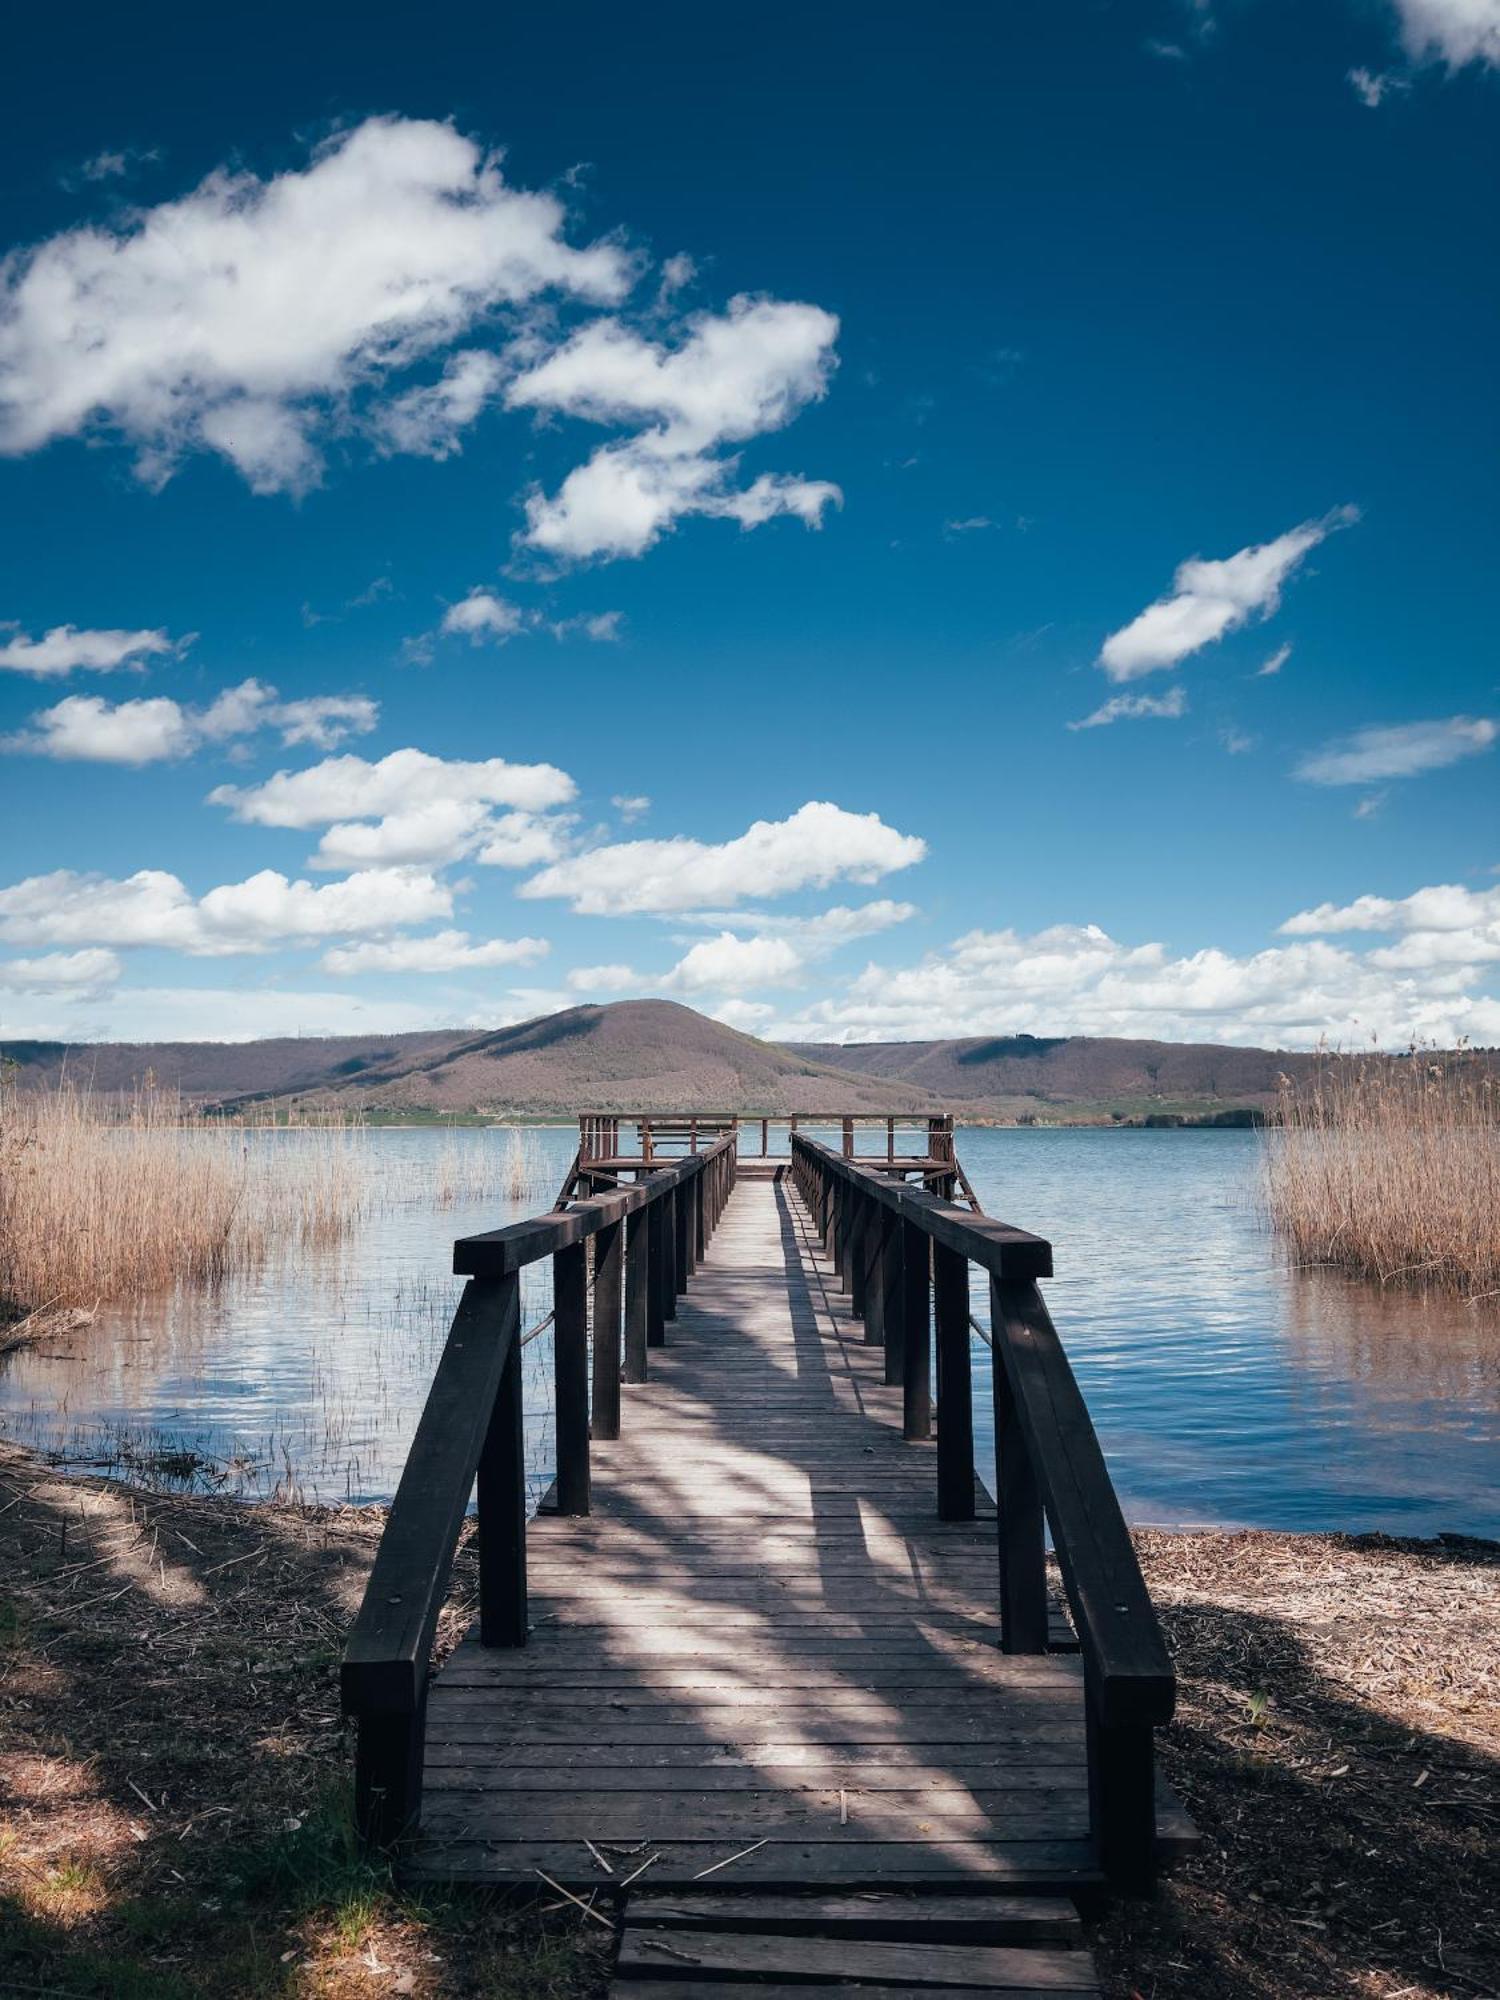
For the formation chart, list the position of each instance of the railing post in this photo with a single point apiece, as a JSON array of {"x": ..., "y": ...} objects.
[
  {"x": 955, "y": 1387},
  {"x": 637, "y": 1277},
  {"x": 1018, "y": 1497},
  {"x": 1122, "y": 1797},
  {"x": 388, "y": 1757},
  {"x": 891, "y": 1320},
  {"x": 656, "y": 1276},
  {"x": 609, "y": 1260},
  {"x": 669, "y": 1284},
  {"x": 916, "y": 1335},
  {"x": 854, "y": 1249},
  {"x": 877, "y": 1219},
  {"x": 501, "y": 1495},
  {"x": 570, "y": 1369},
  {"x": 700, "y": 1213},
  {"x": 682, "y": 1256}
]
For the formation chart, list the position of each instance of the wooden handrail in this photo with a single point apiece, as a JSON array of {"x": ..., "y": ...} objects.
[
  {"x": 903, "y": 1255},
  {"x": 471, "y": 1428}
]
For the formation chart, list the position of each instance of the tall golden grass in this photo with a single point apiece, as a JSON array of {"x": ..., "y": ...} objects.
[
  {"x": 1390, "y": 1167},
  {"x": 109, "y": 1199}
]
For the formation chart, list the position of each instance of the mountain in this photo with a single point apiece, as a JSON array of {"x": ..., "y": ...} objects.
[
  {"x": 636, "y": 1055},
  {"x": 1017, "y": 1074}
]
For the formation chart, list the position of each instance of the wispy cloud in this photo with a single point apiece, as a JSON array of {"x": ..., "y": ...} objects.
[
  {"x": 1274, "y": 664},
  {"x": 66, "y": 649},
  {"x": 1212, "y": 598},
  {"x": 1134, "y": 707},
  {"x": 85, "y": 728},
  {"x": 1402, "y": 751}
]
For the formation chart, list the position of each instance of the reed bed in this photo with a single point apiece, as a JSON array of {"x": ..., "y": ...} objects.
[
  {"x": 1390, "y": 1167},
  {"x": 114, "y": 1198}
]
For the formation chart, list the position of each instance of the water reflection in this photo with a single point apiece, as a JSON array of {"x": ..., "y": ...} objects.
[{"x": 1226, "y": 1387}]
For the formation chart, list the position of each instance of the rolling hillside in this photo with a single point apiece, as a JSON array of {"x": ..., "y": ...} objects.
[{"x": 656, "y": 1055}]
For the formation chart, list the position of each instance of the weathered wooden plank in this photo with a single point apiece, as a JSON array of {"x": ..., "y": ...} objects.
[
  {"x": 633, "y": 1988},
  {"x": 824, "y": 1961},
  {"x": 938, "y": 1918}
]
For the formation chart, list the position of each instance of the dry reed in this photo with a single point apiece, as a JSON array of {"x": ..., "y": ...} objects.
[
  {"x": 1390, "y": 1167},
  {"x": 104, "y": 1198}
]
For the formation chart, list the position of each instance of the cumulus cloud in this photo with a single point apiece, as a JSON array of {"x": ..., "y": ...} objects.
[
  {"x": 344, "y": 788},
  {"x": 1211, "y": 598},
  {"x": 483, "y": 618},
  {"x": 732, "y": 376},
  {"x": 1132, "y": 707},
  {"x": 89, "y": 729},
  {"x": 820, "y": 843},
  {"x": 1452, "y": 32},
  {"x": 76, "y": 972},
  {"x": 411, "y": 808},
  {"x": 1446, "y": 925},
  {"x": 1076, "y": 979},
  {"x": 429, "y": 422},
  {"x": 153, "y": 907},
  {"x": 65, "y": 649},
  {"x": 1402, "y": 751},
  {"x": 612, "y": 978},
  {"x": 245, "y": 316},
  {"x": 443, "y": 951},
  {"x": 729, "y": 964}
]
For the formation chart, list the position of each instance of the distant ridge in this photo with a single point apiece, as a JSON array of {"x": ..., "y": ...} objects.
[{"x": 655, "y": 1055}]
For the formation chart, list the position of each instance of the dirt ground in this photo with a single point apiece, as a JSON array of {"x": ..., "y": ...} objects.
[{"x": 174, "y": 1798}]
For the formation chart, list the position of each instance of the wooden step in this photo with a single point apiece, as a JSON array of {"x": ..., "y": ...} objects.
[
  {"x": 939, "y": 1919},
  {"x": 678, "y": 1959}
]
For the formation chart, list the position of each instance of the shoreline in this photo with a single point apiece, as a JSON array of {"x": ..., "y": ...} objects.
[{"x": 174, "y": 1774}]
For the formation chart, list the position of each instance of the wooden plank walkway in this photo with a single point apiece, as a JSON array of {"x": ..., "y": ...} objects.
[{"x": 762, "y": 1663}]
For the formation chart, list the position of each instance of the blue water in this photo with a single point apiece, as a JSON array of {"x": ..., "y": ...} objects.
[{"x": 1226, "y": 1387}]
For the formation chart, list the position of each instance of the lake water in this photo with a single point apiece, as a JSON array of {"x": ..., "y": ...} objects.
[{"x": 1226, "y": 1387}]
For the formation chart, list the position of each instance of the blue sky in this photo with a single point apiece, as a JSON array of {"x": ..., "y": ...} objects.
[{"x": 874, "y": 530}]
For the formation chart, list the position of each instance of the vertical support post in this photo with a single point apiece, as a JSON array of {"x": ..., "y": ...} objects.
[
  {"x": 955, "y": 1386},
  {"x": 609, "y": 1272},
  {"x": 669, "y": 1284},
  {"x": 570, "y": 1374},
  {"x": 916, "y": 1335},
  {"x": 681, "y": 1238},
  {"x": 765, "y": 1137},
  {"x": 891, "y": 1302},
  {"x": 637, "y": 1275},
  {"x": 502, "y": 1492},
  {"x": 656, "y": 1271},
  {"x": 1122, "y": 1797},
  {"x": 700, "y": 1216},
  {"x": 878, "y": 1219},
  {"x": 843, "y": 1203},
  {"x": 388, "y": 1757},
  {"x": 855, "y": 1254},
  {"x": 1018, "y": 1497}
]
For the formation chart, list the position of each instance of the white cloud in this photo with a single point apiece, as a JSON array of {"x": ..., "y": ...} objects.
[
  {"x": 152, "y": 907},
  {"x": 232, "y": 1014},
  {"x": 60, "y": 972},
  {"x": 1076, "y": 979},
  {"x": 605, "y": 979},
  {"x": 444, "y": 951},
  {"x": 1453, "y": 32},
  {"x": 1132, "y": 707},
  {"x": 824, "y": 932},
  {"x": 482, "y": 618},
  {"x": 429, "y": 422},
  {"x": 65, "y": 648},
  {"x": 1372, "y": 89},
  {"x": 818, "y": 844},
  {"x": 729, "y": 964},
  {"x": 86, "y": 728},
  {"x": 749, "y": 1016},
  {"x": 346, "y": 788},
  {"x": 627, "y": 496},
  {"x": 733, "y": 376},
  {"x": 1211, "y": 598},
  {"x": 1274, "y": 663},
  {"x": 1446, "y": 925},
  {"x": 245, "y": 315},
  {"x": 1402, "y": 751},
  {"x": 445, "y": 830},
  {"x": 631, "y": 805}
]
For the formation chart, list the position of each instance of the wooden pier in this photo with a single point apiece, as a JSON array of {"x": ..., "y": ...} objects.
[{"x": 768, "y": 1674}]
